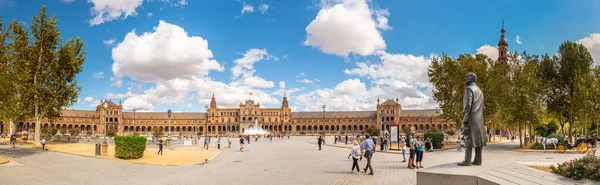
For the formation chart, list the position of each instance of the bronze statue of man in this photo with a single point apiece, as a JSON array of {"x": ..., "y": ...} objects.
[{"x": 473, "y": 125}]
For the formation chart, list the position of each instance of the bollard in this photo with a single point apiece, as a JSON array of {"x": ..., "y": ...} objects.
[{"x": 98, "y": 147}]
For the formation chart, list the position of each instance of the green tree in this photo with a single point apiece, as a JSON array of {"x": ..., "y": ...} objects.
[
  {"x": 574, "y": 66},
  {"x": 446, "y": 76},
  {"x": 552, "y": 127},
  {"x": 373, "y": 131},
  {"x": 47, "y": 72}
]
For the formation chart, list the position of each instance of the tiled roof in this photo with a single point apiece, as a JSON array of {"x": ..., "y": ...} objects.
[
  {"x": 390, "y": 102},
  {"x": 78, "y": 113},
  {"x": 164, "y": 115},
  {"x": 335, "y": 114},
  {"x": 109, "y": 102},
  {"x": 424, "y": 112}
]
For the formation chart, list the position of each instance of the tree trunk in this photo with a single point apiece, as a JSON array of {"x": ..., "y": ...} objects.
[
  {"x": 37, "y": 127},
  {"x": 571, "y": 123},
  {"x": 11, "y": 126},
  {"x": 520, "y": 137}
]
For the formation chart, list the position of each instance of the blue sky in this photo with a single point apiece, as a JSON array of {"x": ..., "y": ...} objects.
[{"x": 341, "y": 53}]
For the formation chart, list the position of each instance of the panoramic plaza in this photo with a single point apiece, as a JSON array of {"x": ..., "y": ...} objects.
[{"x": 267, "y": 92}]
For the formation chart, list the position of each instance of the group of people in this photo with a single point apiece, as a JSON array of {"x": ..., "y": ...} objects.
[{"x": 358, "y": 151}]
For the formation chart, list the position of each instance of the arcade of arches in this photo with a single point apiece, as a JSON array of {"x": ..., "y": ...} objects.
[{"x": 237, "y": 120}]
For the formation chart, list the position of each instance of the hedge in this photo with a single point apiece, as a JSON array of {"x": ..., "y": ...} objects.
[
  {"x": 436, "y": 138},
  {"x": 558, "y": 136},
  {"x": 130, "y": 147}
]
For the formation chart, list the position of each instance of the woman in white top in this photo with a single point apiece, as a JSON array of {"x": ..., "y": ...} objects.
[{"x": 356, "y": 155}]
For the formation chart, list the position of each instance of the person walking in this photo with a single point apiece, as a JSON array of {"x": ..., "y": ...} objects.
[
  {"x": 248, "y": 136},
  {"x": 385, "y": 144},
  {"x": 419, "y": 152},
  {"x": 160, "y": 146},
  {"x": 241, "y": 144},
  {"x": 356, "y": 155},
  {"x": 320, "y": 142},
  {"x": 369, "y": 147},
  {"x": 206, "y": 142},
  {"x": 229, "y": 142},
  {"x": 403, "y": 145},
  {"x": 219, "y": 143},
  {"x": 13, "y": 141},
  {"x": 346, "y": 139},
  {"x": 43, "y": 143}
]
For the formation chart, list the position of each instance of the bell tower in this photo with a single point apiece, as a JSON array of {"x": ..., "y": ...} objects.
[{"x": 502, "y": 47}]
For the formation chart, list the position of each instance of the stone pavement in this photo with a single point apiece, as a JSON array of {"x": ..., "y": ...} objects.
[{"x": 282, "y": 161}]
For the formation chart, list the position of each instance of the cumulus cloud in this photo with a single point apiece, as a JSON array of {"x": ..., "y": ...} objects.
[
  {"x": 592, "y": 43},
  {"x": 281, "y": 84},
  {"x": 98, "y": 75},
  {"x": 263, "y": 8},
  {"x": 149, "y": 14},
  {"x": 245, "y": 66},
  {"x": 490, "y": 51},
  {"x": 88, "y": 99},
  {"x": 347, "y": 27},
  {"x": 109, "y": 10},
  {"x": 167, "y": 53},
  {"x": 518, "y": 39}
]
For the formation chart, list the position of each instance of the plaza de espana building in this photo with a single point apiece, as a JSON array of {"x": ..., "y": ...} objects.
[{"x": 234, "y": 121}]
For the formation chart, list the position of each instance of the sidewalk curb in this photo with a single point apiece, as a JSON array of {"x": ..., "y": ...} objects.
[
  {"x": 4, "y": 162},
  {"x": 147, "y": 164}
]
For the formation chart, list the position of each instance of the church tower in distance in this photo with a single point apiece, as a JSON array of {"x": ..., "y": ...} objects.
[{"x": 502, "y": 48}]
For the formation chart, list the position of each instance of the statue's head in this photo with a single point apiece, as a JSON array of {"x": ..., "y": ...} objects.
[{"x": 470, "y": 78}]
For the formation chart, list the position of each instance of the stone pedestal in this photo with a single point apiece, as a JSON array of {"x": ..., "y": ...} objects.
[{"x": 104, "y": 149}]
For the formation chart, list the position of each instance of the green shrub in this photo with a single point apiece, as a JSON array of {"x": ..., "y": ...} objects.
[
  {"x": 111, "y": 132},
  {"x": 560, "y": 138},
  {"x": 63, "y": 131},
  {"x": 539, "y": 146},
  {"x": 130, "y": 147},
  {"x": 75, "y": 132},
  {"x": 585, "y": 167},
  {"x": 373, "y": 131},
  {"x": 451, "y": 131},
  {"x": 552, "y": 127},
  {"x": 436, "y": 138},
  {"x": 53, "y": 131}
]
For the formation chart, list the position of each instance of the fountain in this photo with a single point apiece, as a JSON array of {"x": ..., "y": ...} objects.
[{"x": 255, "y": 130}]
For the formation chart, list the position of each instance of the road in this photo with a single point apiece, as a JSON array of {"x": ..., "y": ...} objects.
[{"x": 293, "y": 161}]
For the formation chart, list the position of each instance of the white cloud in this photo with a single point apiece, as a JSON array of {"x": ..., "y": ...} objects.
[
  {"x": 281, "y": 84},
  {"x": 592, "y": 43},
  {"x": 305, "y": 81},
  {"x": 117, "y": 82},
  {"x": 258, "y": 82},
  {"x": 109, "y": 42},
  {"x": 167, "y": 53},
  {"x": 149, "y": 14},
  {"x": 175, "y": 2},
  {"x": 247, "y": 8},
  {"x": 347, "y": 27},
  {"x": 95, "y": 103},
  {"x": 289, "y": 92},
  {"x": 382, "y": 21},
  {"x": 108, "y": 10},
  {"x": 490, "y": 51},
  {"x": 518, "y": 39},
  {"x": 88, "y": 99},
  {"x": 245, "y": 66},
  {"x": 263, "y": 8},
  {"x": 98, "y": 75},
  {"x": 67, "y": 1},
  {"x": 301, "y": 74}
]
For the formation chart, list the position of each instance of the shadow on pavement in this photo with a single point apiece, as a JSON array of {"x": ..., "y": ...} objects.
[{"x": 18, "y": 152}]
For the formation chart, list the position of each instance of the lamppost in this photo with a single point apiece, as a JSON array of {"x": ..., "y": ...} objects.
[
  {"x": 323, "y": 115},
  {"x": 169, "y": 122},
  {"x": 206, "y": 128},
  {"x": 105, "y": 114},
  {"x": 381, "y": 133},
  {"x": 134, "y": 130},
  {"x": 94, "y": 125}
]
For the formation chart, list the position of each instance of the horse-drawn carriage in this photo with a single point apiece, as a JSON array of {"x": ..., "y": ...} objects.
[{"x": 582, "y": 145}]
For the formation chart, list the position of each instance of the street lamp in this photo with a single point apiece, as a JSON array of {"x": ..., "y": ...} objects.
[
  {"x": 105, "y": 114},
  {"x": 323, "y": 114},
  {"x": 206, "y": 128},
  {"x": 381, "y": 133},
  {"x": 169, "y": 122},
  {"x": 134, "y": 130}
]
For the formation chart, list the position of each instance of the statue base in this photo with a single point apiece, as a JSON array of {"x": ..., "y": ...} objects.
[{"x": 492, "y": 172}]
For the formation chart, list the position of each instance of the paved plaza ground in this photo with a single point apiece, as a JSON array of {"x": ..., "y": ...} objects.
[{"x": 282, "y": 161}]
